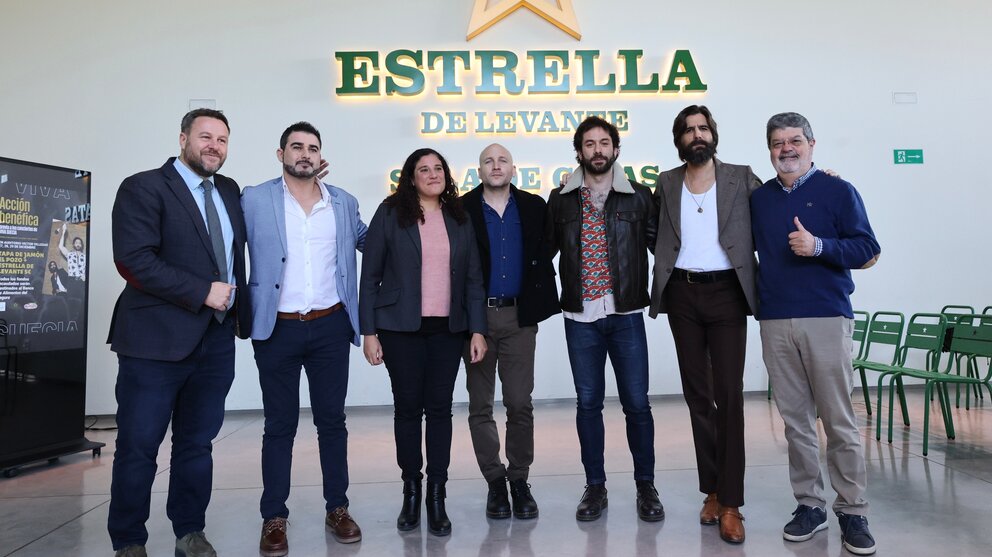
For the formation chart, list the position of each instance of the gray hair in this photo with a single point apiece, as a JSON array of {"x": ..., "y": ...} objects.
[{"x": 788, "y": 120}]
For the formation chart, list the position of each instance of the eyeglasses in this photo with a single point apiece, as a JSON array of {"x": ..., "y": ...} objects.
[{"x": 796, "y": 142}]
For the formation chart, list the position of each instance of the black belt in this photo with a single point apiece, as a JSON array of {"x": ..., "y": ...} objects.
[
  {"x": 693, "y": 277},
  {"x": 500, "y": 302}
]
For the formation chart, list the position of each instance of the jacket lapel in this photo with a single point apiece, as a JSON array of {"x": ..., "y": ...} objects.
[
  {"x": 726, "y": 192},
  {"x": 185, "y": 197},
  {"x": 279, "y": 211},
  {"x": 673, "y": 201}
]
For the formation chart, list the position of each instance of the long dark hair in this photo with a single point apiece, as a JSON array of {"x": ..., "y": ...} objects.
[{"x": 405, "y": 199}]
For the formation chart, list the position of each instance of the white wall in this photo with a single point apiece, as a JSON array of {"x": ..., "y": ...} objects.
[{"x": 101, "y": 86}]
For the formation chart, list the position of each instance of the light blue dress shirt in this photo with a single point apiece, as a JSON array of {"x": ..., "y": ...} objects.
[{"x": 193, "y": 183}]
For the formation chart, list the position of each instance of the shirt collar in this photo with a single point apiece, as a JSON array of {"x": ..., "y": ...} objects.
[
  {"x": 191, "y": 178},
  {"x": 800, "y": 181},
  {"x": 323, "y": 190},
  {"x": 620, "y": 182}
]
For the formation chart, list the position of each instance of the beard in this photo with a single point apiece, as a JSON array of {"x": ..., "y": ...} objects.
[
  {"x": 300, "y": 173},
  {"x": 589, "y": 164},
  {"x": 690, "y": 154},
  {"x": 194, "y": 160}
]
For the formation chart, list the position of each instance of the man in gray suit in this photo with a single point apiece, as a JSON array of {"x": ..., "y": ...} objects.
[
  {"x": 704, "y": 280},
  {"x": 302, "y": 237}
]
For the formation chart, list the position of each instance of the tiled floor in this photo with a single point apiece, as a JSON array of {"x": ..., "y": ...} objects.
[{"x": 920, "y": 506}]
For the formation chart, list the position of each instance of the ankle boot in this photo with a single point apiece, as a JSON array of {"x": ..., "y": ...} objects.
[
  {"x": 498, "y": 500},
  {"x": 410, "y": 512},
  {"x": 437, "y": 518}
]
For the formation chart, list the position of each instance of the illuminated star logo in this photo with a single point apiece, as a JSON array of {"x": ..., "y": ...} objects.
[{"x": 560, "y": 13}]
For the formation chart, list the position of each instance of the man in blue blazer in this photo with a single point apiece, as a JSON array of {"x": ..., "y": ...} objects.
[
  {"x": 302, "y": 239},
  {"x": 178, "y": 237}
]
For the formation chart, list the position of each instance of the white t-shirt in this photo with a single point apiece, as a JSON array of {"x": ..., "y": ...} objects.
[{"x": 701, "y": 249}]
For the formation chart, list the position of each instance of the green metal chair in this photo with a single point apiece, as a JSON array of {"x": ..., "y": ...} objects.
[
  {"x": 884, "y": 329},
  {"x": 972, "y": 340},
  {"x": 952, "y": 312},
  {"x": 924, "y": 334}
]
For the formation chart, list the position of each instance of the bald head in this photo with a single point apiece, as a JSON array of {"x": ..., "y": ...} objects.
[{"x": 496, "y": 166}]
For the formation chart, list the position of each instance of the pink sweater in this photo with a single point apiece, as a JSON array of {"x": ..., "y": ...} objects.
[{"x": 435, "y": 270}]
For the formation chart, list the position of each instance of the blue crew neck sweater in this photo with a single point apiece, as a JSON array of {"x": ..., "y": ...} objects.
[{"x": 790, "y": 286}]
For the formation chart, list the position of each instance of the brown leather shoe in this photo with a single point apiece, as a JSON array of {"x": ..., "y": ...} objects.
[
  {"x": 711, "y": 510},
  {"x": 731, "y": 525},
  {"x": 343, "y": 526},
  {"x": 274, "y": 542}
]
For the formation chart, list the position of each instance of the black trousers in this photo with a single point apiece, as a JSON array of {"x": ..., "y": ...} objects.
[
  {"x": 422, "y": 368},
  {"x": 709, "y": 325}
]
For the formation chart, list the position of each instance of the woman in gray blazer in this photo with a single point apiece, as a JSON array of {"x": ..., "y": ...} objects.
[{"x": 421, "y": 295}]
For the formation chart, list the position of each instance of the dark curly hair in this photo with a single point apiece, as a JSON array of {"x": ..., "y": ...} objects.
[{"x": 405, "y": 199}]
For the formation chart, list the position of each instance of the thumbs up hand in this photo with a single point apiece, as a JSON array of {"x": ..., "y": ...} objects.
[{"x": 801, "y": 241}]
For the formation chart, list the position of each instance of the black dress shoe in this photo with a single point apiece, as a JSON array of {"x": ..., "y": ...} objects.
[
  {"x": 593, "y": 502},
  {"x": 649, "y": 507},
  {"x": 437, "y": 518},
  {"x": 498, "y": 502},
  {"x": 524, "y": 505},
  {"x": 410, "y": 512}
]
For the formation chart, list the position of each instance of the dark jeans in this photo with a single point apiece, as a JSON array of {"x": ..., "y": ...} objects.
[
  {"x": 621, "y": 337},
  {"x": 511, "y": 350},
  {"x": 321, "y": 347},
  {"x": 150, "y": 393},
  {"x": 709, "y": 325},
  {"x": 422, "y": 368}
]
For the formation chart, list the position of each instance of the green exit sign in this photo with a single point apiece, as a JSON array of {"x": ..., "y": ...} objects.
[{"x": 907, "y": 156}]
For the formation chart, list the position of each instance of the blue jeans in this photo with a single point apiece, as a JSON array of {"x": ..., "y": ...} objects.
[
  {"x": 322, "y": 348},
  {"x": 622, "y": 337},
  {"x": 150, "y": 393}
]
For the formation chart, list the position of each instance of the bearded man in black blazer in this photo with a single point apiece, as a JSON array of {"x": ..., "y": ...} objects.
[{"x": 178, "y": 238}]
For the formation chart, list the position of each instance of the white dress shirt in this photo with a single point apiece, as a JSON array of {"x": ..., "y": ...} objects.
[{"x": 311, "y": 260}]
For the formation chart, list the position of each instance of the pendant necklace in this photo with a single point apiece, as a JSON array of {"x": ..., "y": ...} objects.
[{"x": 699, "y": 205}]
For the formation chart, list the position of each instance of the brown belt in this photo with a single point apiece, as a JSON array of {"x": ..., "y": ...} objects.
[{"x": 312, "y": 314}]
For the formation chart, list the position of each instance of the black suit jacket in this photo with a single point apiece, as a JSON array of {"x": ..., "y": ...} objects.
[
  {"x": 163, "y": 251},
  {"x": 63, "y": 277},
  {"x": 538, "y": 297},
  {"x": 390, "y": 296}
]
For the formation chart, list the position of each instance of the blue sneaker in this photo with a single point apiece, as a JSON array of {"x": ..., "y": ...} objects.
[
  {"x": 855, "y": 535},
  {"x": 805, "y": 522}
]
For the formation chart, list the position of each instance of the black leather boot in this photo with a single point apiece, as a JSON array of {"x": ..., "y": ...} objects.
[
  {"x": 592, "y": 503},
  {"x": 437, "y": 518},
  {"x": 410, "y": 512},
  {"x": 524, "y": 505},
  {"x": 649, "y": 507},
  {"x": 498, "y": 502}
]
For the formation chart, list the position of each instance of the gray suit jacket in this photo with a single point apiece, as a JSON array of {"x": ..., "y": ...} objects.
[
  {"x": 391, "y": 286},
  {"x": 265, "y": 217},
  {"x": 734, "y": 186}
]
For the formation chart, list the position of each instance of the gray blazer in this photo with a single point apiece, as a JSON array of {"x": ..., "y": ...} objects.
[
  {"x": 735, "y": 184},
  {"x": 265, "y": 217},
  {"x": 390, "y": 285}
]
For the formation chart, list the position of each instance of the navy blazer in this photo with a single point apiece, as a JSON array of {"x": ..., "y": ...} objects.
[
  {"x": 163, "y": 251},
  {"x": 390, "y": 297},
  {"x": 265, "y": 216}
]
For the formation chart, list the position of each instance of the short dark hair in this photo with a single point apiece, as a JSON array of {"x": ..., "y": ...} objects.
[
  {"x": 784, "y": 120},
  {"x": 594, "y": 122},
  {"x": 192, "y": 115},
  {"x": 680, "y": 125},
  {"x": 305, "y": 127}
]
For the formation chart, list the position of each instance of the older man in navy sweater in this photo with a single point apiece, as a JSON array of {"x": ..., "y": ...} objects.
[{"x": 810, "y": 230}]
